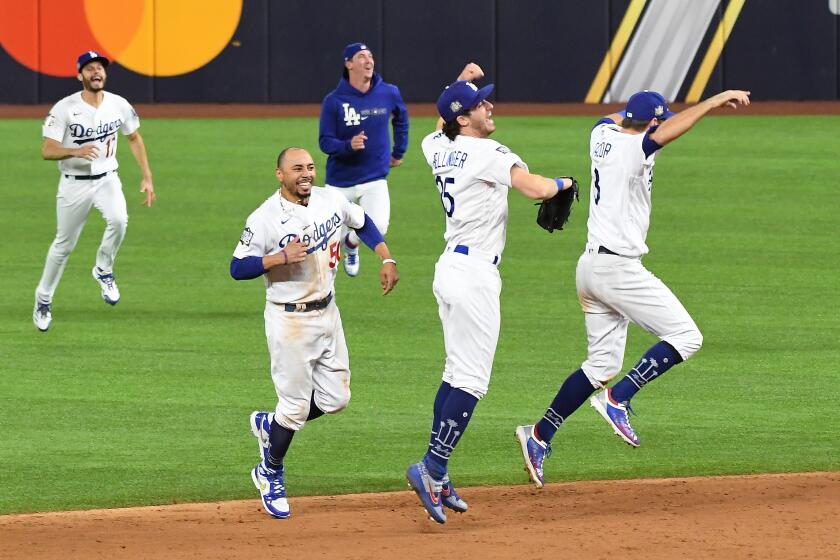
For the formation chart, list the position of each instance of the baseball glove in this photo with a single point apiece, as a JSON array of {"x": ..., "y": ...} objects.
[{"x": 554, "y": 212}]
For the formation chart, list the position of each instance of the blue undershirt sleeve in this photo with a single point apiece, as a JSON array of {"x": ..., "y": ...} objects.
[
  {"x": 603, "y": 120},
  {"x": 246, "y": 268},
  {"x": 649, "y": 145},
  {"x": 369, "y": 233}
]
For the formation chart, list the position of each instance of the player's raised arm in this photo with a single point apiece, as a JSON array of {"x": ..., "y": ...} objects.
[{"x": 680, "y": 123}]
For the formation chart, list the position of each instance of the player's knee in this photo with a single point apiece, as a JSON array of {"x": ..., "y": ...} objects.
[
  {"x": 118, "y": 223},
  {"x": 62, "y": 247},
  {"x": 688, "y": 342},
  {"x": 336, "y": 404}
]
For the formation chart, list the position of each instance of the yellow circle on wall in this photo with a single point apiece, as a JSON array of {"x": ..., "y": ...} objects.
[{"x": 163, "y": 38}]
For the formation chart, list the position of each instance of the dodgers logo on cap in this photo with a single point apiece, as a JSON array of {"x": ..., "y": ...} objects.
[
  {"x": 90, "y": 56},
  {"x": 459, "y": 97}
]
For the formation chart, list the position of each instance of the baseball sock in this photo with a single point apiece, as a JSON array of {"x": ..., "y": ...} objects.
[
  {"x": 455, "y": 414},
  {"x": 351, "y": 246},
  {"x": 314, "y": 411},
  {"x": 573, "y": 393},
  {"x": 657, "y": 360},
  {"x": 279, "y": 440},
  {"x": 440, "y": 398}
]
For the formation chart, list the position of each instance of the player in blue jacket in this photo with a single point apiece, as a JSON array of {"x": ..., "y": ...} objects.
[{"x": 354, "y": 134}]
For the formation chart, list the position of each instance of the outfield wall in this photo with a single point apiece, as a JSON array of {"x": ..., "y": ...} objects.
[{"x": 289, "y": 51}]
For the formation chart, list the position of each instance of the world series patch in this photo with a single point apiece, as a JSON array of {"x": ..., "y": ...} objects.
[{"x": 247, "y": 236}]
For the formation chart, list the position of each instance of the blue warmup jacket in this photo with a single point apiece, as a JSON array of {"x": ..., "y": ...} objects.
[{"x": 346, "y": 112}]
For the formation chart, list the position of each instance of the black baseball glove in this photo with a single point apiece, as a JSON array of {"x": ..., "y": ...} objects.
[{"x": 554, "y": 212}]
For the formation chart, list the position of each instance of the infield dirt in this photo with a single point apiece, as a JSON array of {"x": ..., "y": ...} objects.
[{"x": 727, "y": 518}]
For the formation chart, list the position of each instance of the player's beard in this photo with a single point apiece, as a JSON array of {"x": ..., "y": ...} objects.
[
  {"x": 93, "y": 87},
  {"x": 299, "y": 193}
]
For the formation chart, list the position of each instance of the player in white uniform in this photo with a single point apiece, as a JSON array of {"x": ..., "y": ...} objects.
[
  {"x": 473, "y": 175},
  {"x": 81, "y": 133},
  {"x": 293, "y": 241},
  {"x": 613, "y": 286}
]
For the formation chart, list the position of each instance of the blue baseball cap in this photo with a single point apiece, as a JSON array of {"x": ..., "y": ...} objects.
[
  {"x": 90, "y": 56},
  {"x": 646, "y": 105},
  {"x": 353, "y": 48},
  {"x": 459, "y": 97}
]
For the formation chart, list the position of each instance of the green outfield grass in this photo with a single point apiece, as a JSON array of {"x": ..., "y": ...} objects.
[{"x": 148, "y": 402}]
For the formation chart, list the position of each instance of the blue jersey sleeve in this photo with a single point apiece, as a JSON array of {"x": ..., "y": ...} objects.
[
  {"x": 246, "y": 268},
  {"x": 328, "y": 139},
  {"x": 399, "y": 123},
  {"x": 649, "y": 145},
  {"x": 603, "y": 120},
  {"x": 369, "y": 233}
]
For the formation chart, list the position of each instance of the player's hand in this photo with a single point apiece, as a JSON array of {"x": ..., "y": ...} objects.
[
  {"x": 358, "y": 141},
  {"x": 388, "y": 277},
  {"x": 471, "y": 71},
  {"x": 395, "y": 162},
  {"x": 295, "y": 251},
  {"x": 148, "y": 189},
  {"x": 731, "y": 98},
  {"x": 89, "y": 152}
]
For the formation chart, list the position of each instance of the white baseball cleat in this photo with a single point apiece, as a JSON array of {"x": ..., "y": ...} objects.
[
  {"x": 108, "y": 284},
  {"x": 351, "y": 262},
  {"x": 42, "y": 315}
]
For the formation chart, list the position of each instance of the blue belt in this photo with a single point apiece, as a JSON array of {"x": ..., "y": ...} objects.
[
  {"x": 464, "y": 250},
  {"x": 308, "y": 306}
]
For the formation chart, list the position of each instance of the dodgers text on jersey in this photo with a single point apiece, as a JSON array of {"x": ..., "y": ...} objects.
[{"x": 321, "y": 235}]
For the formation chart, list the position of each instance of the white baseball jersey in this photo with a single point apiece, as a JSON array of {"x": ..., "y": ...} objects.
[
  {"x": 619, "y": 199},
  {"x": 473, "y": 177},
  {"x": 74, "y": 123},
  {"x": 277, "y": 222}
]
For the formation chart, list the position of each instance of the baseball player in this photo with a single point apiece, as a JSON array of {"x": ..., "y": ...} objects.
[
  {"x": 473, "y": 175},
  {"x": 81, "y": 133},
  {"x": 613, "y": 286},
  {"x": 354, "y": 134},
  {"x": 292, "y": 241}
]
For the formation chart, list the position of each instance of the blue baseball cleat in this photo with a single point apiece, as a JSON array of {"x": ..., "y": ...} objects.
[
  {"x": 427, "y": 489},
  {"x": 450, "y": 498},
  {"x": 272, "y": 489},
  {"x": 616, "y": 416},
  {"x": 533, "y": 452}
]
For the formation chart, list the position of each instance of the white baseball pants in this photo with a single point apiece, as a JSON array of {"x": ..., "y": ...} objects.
[
  {"x": 467, "y": 289},
  {"x": 615, "y": 290},
  {"x": 73, "y": 203},
  {"x": 375, "y": 200},
  {"x": 308, "y": 353}
]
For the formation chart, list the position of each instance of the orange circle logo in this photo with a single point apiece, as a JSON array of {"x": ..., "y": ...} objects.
[{"x": 148, "y": 37}]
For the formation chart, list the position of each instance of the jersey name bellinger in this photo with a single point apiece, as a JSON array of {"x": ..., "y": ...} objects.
[
  {"x": 455, "y": 158},
  {"x": 318, "y": 240}
]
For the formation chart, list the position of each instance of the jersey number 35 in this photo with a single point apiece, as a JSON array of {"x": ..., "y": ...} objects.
[{"x": 445, "y": 197}]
